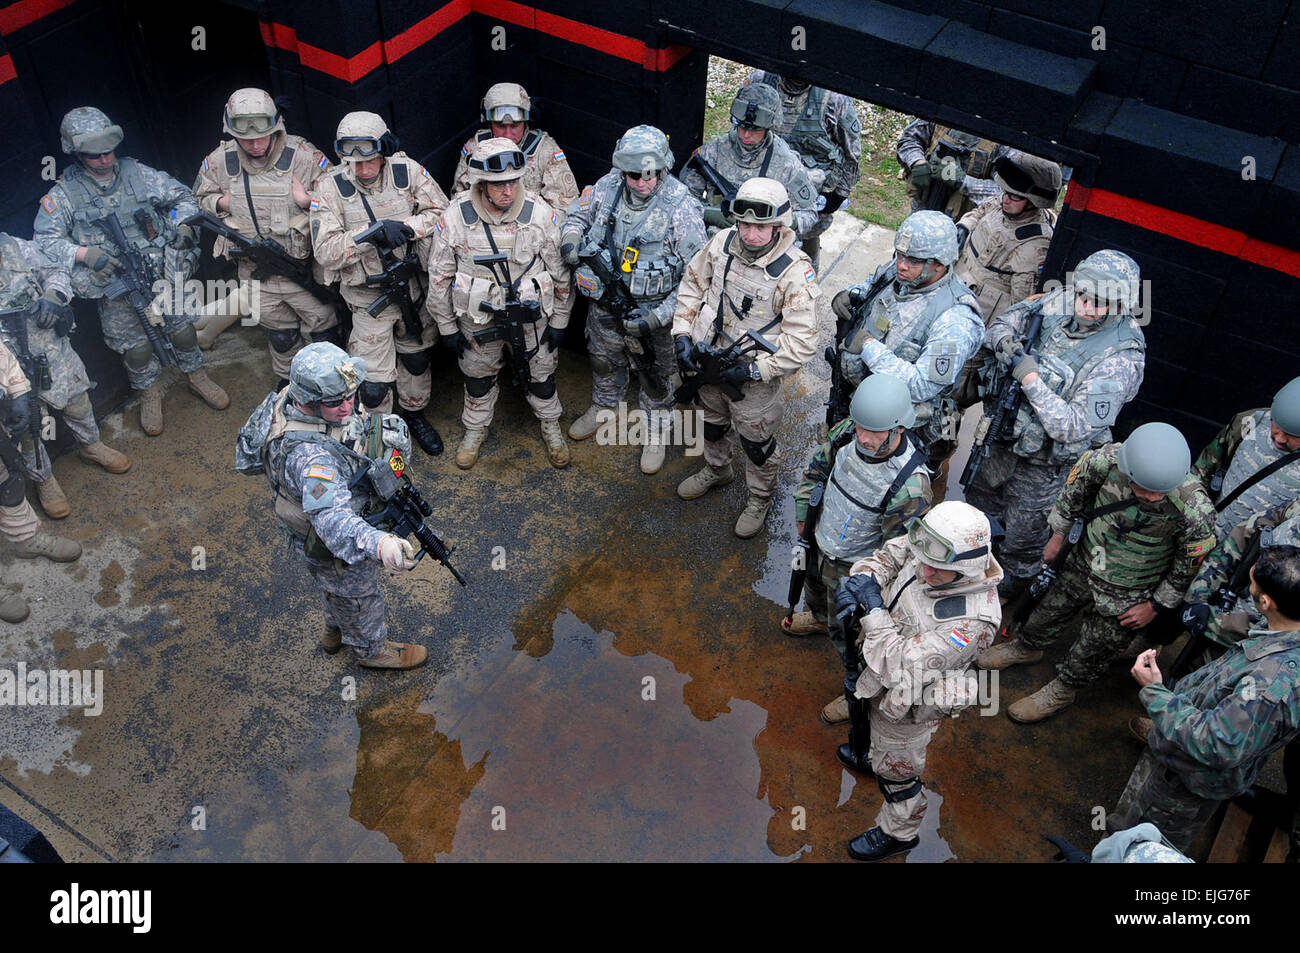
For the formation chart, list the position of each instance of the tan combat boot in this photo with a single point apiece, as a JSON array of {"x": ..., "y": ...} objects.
[
  {"x": 557, "y": 451},
  {"x": 105, "y": 456},
  {"x": 53, "y": 501},
  {"x": 151, "y": 421},
  {"x": 13, "y": 607},
  {"x": 697, "y": 484},
  {"x": 54, "y": 548},
  {"x": 803, "y": 623},
  {"x": 467, "y": 452},
  {"x": 752, "y": 517},
  {"x": 1006, "y": 654},
  {"x": 655, "y": 449},
  {"x": 1044, "y": 703},
  {"x": 331, "y": 639},
  {"x": 588, "y": 424},
  {"x": 836, "y": 711},
  {"x": 209, "y": 391},
  {"x": 396, "y": 655}
]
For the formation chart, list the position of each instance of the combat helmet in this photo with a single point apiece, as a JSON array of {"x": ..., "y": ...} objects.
[
  {"x": 362, "y": 136},
  {"x": 251, "y": 113},
  {"x": 756, "y": 106},
  {"x": 88, "y": 131},
  {"x": 1029, "y": 177},
  {"x": 1110, "y": 277},
  {"x": 324, "y": 372},
  {"x": 1155, "y": 457},
  {"x": 1286, "y": 408},
  {"x": 882, "y": 402},
  {"x": 761, "y": 201},
  {"x": 496, "y": 160},
  {"x": 506, "y": 103},
  {"x": 927, "y": 235},
  {"x": 643, "y": 149},
  {"x": 952, "y": 535}
]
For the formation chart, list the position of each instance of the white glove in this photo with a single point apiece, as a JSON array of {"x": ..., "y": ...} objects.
[{"x": 396, "y": 553}]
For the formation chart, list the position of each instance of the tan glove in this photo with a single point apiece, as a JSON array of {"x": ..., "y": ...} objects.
[{"x": 396, "y": 553}]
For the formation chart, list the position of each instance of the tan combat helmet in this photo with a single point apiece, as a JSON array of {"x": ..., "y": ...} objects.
[
  {"x": 495, "y": 160},
  {"x": 251, "y": 113},
  {"x": 86, "y": 130},
  {"x": 506, "y": 103},
  {"x": 1029, "y": 177},
  {"x": 761, "y": 201},
  {"x": 362, "y": 136}
]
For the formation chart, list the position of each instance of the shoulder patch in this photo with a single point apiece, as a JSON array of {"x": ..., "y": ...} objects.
[
  {"x": 951, "y": 607},
  {"x": 315, "y": 205},
  {"x": 526, "y": 212},
  {"x": 205, "y": 163},
  {"x": 467, "y": 213},
  {"x": 778, "y": 267},
  {"x": 1200, "y": 547},
  {"x": 323, "y": 161},
  {"x": 232, "y": 162},
  {"x": 559, "y": 154},
  {"x": 1033, "y": 230},
  {"x": 320, "y": 473},
  {"x": 1074, "y": 473},
  {"x": 810, "y": 274},
  {"x": 958, "y": 638},
  {"x": 286, "y": 159},
  {"x": 437, "y": 226},
  {"x": 464, "y": 150},
  {"x": 585, "y": 198},
  {"x": 49, "y": 204},
  {"x": 401, "y": 175},
  {"x": 555, "y": 219},
  {"x": 346, "y": 188}
]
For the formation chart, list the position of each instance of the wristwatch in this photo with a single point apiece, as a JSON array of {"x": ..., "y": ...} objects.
[{"x": 754, "y": 374}]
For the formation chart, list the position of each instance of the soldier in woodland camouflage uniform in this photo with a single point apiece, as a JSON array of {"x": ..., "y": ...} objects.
[
  {"x": 310, "y": 440},
  {"x": 646, "y": 227},
  {"x": 824, "y": 128},
  {"x": 33, "y": 284},
  {"x": 1211, "y": 737},
  {"x": 946, "y": 169},
  {"x": 507, "y": 112},
  {"x": 753, "y": 150},
  {"x": 1135, "y": 559},
  {"x": 1087, "y": 363},
  {"x": 148, "y": 204}
]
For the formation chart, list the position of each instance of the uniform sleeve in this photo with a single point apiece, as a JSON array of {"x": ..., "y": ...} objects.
[
  {"x": 1192, "y": 545},
  {"x": 686, "y": 236},
  {"x": 561, "y": 276},
  {"x": 52, "y": 229},
  {"x": 818, "y": 470},
  {"x": 460, "y": 180},
  {"x": 846, "y": 130},
  {"x": 796, "y": 344},
  {"x": 559, "y": 187},
  {"x": 442, "y": 272},
  {"x": 49, "y": 274},
  {"x": 803, "y": 197},
  {"x": 314, "y": 479},
  {"x": 692, "y": 178},
  {"x": 430, "y": 202},
  {"x": 913, "y": 142},
  {"x": 1218, "y": 567},
  {"x": 169, "y": 193},
  {"x": 694, "y": 287},
  {"x": 960, "y": 326},
  {"x": 1078, "y": 419},
  {"x": 979, "y": 190},
  {"x": 331, "y": 243},
  {"x": 912, "y": 499},
  {"x": 884, "y": 563},
  {"x": 1011, "y": 323},
  {"x": 1081, "y": 486},
  {"x": 12, "y": 380},
  {"x": 1218, "y": 452},
  {"x": 973, "y": 217},
  {"x": 584, "y": 211},
  {"x": 311, "y": 165},
  {"x": 1242, "y": 727},
  {"x": 210, "y": 183}
]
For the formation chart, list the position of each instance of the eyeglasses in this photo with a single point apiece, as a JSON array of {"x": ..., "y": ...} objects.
[
  {"x": 356, "y": 148},
  {"x": 641, "y": 176},
  {"x": 742, "y": 124},
  {"x": 251, "y": 126},
  {"x": 908, "y": 260},
  {"x": 336, "y": 404},
  {"x": 95, "y": 155},
  {"x": 935, "y": 547},
  {"x": 500, "y": 161}
]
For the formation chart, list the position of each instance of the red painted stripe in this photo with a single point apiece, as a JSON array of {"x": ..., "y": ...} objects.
[
  {"x": 507, "y": 10},
  {"x": 25, "y": 12},
  {"x": 667, "y": 57},
  {"x": 347, "y": 68},
  {"x": 416, "y": 36},
  {"x": 615, "y": 44},
  {"x": 7, "y": 71}
]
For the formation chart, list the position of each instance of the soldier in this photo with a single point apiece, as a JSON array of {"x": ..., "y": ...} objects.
[
  {"x": 939, "y": 586},
  {"x": 751, "y": 150},
  {"x": 18, "y": 522},
  {"x": 377, "y": 183},
  {"x": 824, "y": 128},
  {"x": 260, "y": 182},
  {"x": 1211, "y": 738},
  {"x": 499, "y": 215},
  {"x": 1087, "y": 362},
  {"x": 311, "y": 439},
  {"x": 870, "y": 491},
  {"x": 506, "y": 113},
  {"x": 1148, "y": 525},
  {"x": 748, "y": 277},
  {"x": 1005, "y": 240},
  {"x": 947, "y": 170},
  {"x": 38, "y": 291},
  {"x": 148, "y": 204},
  {"x": 922, "y": 327},
  {"x": 1253, "y": 463},
  {"x": 645, "y": 227}
]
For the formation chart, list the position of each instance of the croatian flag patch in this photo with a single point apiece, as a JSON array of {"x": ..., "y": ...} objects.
[
  {"x": 809, "y": 274},
  {"x": 315, "y": 205},
  {"x": 323, "y": 162},
  {"x": 559, "y": 153},
  {"x": 958, "y": 639}
]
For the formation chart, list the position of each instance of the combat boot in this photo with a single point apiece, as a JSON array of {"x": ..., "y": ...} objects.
[
  {"x": 655, "y": 449},
  {"x": 557, "y": 451},
  {"x": 1006, "y": 654},
  {"x": 854, "y": 754},
  {"x": 331, "y": 639},
  {"x": 53, "y": 501},
  {"x": 588, "y": 423},
  {"x": 875, "y": 844},
  {"x": 1044, "y": 703},
  {"x": 697, "y": 484},
  {"x": 803, "y": 623},
  {"x": 54, "y": 548},
  {"x": 753, "y": 516},
  {"x": 467, "y": 452},
  {"x": 13, "y": 607},
  {"x": 425, "y": 434},
  {"x": 836, "y": 711},
  {"x": 151, "y": 421},
  {"x": 208, "y": 390},
  {"x": 396, "y": 655},
  {"x": 105, "y": 456}
]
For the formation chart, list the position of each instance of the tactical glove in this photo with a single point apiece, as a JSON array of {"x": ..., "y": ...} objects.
[
  {"x": 19, "y": 417},
  {"x": 185, "y": 238},
  {"x": 396, "y": 553},
  {"x": 921, "y": 174},
  {"x": 396, "y": 233},
  {"x": 739, "y": 374},
  {"x": 1009, "y": 352},
  {"x": 569, "y": 242},
  {"x": 833, "y": 201},
  {"x": 458, "y": 343},
  {"x": 950, "y": 172},
  {"x": 685, "y": 355},
  {"x": 1024, "y": 367},
  {"x": 1196, "y": 618},
  {"x": 552, "y": 337},
  {"x": 100, "y": 260},
  {"x": 639, "y": 323},
  {"x": 713, "y": 215},
  {"x": 49, "y": 310},
  {"x": 857, "y": 591}
]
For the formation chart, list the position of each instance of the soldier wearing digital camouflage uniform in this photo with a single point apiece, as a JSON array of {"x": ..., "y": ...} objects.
[
  {"x": 921, "y": 327},
  {"x": 1136, "y": 557},
  {"x": 1086, "y": 364},
  {"x": 260, "y": 182},
  {"x": 498, "y": 215},
  {"x": 873, "y": 481},
  {"x": 930, "y": 603},
  {"x": 645, "y": 226},
  {"x": 824, "y": 128},
  {"x": 753, "y": 150},
  {"x": 149, "y": 206},
  {"x": 1213, "y": 734},
  {"x": 310, "y": 440},
  {"x": 507, "y": 111},
  {"x": 39, "y": 290},
  {"x": 377, "y": 183},
  {"x": 946, "y": 169},
  {"x": 1233, "y": 465}
]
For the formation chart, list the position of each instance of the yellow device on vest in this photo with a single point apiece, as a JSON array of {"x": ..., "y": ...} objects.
[{"x": 630, "y": 255}]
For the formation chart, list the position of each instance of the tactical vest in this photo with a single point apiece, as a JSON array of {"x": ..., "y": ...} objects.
[
  {"x": 395, "y": 201},
  {"x": 262, "y": 204},
  {"x": 976, "y": 161},
  {"x": 1286, "y": 533},
  {"x": 18, "y": 286},
  {"x": 520, "y": 239},
  {"x": 989, "y": 250},
  {"x": 857, "y": 494},
  {"x": 1252, "y": 455},
  {"x": 619, "y": 228},
  {"x": 129, "y": 198},
  {"x": 805, "y": 128},
  {"x": 745, "y": 297},
  {"x": 1134, "y": 547}
]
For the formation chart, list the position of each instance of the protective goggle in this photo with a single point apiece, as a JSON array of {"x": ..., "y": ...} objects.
[
  {"x": 335, "y": 404},
  {"x": 500, "y": 162},
  {"x": 249, "y": 127},
  {"x": 507, "y": 115},
  {"x": 360, "y": 148},
  {"x": 645, "y": 174},
  {"x": 740, "y": 208},
  {"x": 936, "y": 548}
]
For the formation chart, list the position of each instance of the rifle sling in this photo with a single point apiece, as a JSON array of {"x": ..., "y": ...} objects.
[
  {"x": 1261, "y": 474},
  {"x": 252, "y": 212}
]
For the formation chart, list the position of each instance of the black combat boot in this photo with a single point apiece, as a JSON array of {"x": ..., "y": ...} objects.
[
  {"x": 875, "y": 844},
  {"x": 423, "y": 432},
  {"x": 853, "y": 755}
]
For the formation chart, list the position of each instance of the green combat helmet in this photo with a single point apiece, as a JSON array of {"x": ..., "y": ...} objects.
[
  {"x": 1155, "y": 457},
  {"x": 643, "y": 149},
  {"x": 1286, "y": 408},
  {"x": 756, "y": 106},
  {"x": 324, "y": 372},
  {"x": 882, "y": 402},
  {"x": 88, "y": 131},
  {"x": 1110, "y": 277}
]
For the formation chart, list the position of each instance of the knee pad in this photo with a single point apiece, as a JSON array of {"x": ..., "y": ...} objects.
[
  {"x": 715, "y": 432},
  {"x": 282, "y": 339},
  {"x": 544, "y": 389},
  {"x": 759, "y": 451},
  {"x": 479, "y": 386},
  {"x": 79, "y": 406},
  {"x": 12, "y": 490},
  {"x": 332, "y": 335},
  {"x": 186, "y": 339},
  {"x": 893, "y": 797},
  {"x": 416, "y": 362},
  {"x": 137, "y": 357},
  {"x": 373, "y": 393}
]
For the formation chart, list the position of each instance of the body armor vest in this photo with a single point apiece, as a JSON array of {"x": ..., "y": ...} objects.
[
  {"x": 145, "y": 228},
  {"x": 1133, "y": 548},
  {"x": 989, "y": 250},
  {"x": 521, "y": 240},
  {"x": 394, "y": 201},
  {"x": 1286, "y": 533},
  {"x": 857, "y": 493},
  {"x": 656, "y": 272},
  {"x": 1253, "y": 454},
  {"x": 261, "y": 203},
  {"x": 744, "y": 298},
  {"x": 804, "y": 127}
]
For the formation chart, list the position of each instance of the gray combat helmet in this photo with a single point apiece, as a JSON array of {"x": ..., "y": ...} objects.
[
  {"x": 1155, "y": 457},
  {"x": 1286, "y": 408},
  {"x": 1110, "y": 277},
  {"x": 88, "y": 131},
  {"x": 757, "y": 105},
  {"x": 324, "y": 372},
  {"x": 643, "y": 149},
  {"x": 928, "y": 235},
  {"x": 1029, "y": 177},
  {"x": 882, "y": 402}
]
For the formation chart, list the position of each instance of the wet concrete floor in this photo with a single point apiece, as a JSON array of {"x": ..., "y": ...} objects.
[{"x": 612, "y": 686}]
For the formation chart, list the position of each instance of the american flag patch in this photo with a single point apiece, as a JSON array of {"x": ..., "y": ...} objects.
[
  {"x": 958, "y": 639},
  {"x": 320, "y": 473},
  {"x": 559, "y": 153},
  {"x": 323, "y": 161},
  {"x": 315, "y": 205},
  {"x": 47, "y": 203},
  {"x": 810, "y": 274},
  {"x": 585, "y": 283}
]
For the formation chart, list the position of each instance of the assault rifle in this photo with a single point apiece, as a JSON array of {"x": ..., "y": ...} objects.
[
  {"x": 713, "y": 363},
  {"x": 508, "y": 320},
  {"x": 404, "y": 509},
  {"x": 395, "y": 280},
  {"x": 860, "y": 298},
  {"x": 805, "y": 548},
  {"x": 618, "y": 300},
  {"x": 720, "y": 183},
  {"x": 137, "y": 283},
  {"x": 35, "y": 367}
]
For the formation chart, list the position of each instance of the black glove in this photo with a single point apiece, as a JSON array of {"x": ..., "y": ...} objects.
[
  {"x": 552, "y": 337},
  {"x": 639, "y": 323},
  {"x": 99, "y": 260},
  {"x": 1196, "y": 618},
  {"x": 19, "y": 417},
  {"x": 738, "y": 374},
  {"x": 854, "y": 591},
  {"x": 963, "y": 233},
  {"x": 833, "y": 201},
  {"x": 920, "y": 174},
  {"x": 49, "y": 311},
  {"x": 395, "y": 233},
  {"x": 458, "y": 343},
  {"x": 685, "y": 354}
]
